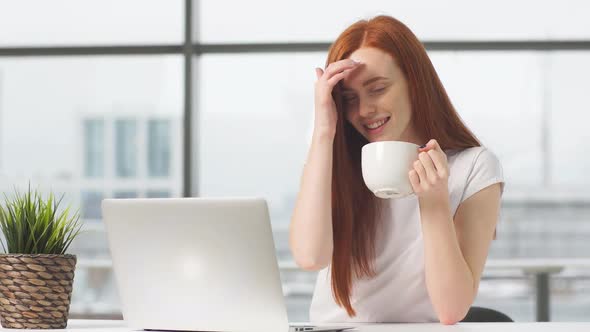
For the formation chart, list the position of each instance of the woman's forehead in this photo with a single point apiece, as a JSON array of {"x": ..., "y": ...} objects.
[
  {"x": 372, "y": 57},
  {"x": 374, "y": 63}
]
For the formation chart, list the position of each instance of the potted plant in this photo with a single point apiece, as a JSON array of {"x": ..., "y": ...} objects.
[{"x": 36, "y": 274}]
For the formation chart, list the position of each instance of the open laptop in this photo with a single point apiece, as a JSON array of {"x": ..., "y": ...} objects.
[{"x": 197, "y": 264}]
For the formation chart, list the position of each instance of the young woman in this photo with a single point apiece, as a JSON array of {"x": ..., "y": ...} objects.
[{"x": 413, "y": 259}]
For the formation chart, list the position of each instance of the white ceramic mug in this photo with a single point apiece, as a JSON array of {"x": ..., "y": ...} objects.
[{"x": 386, "y": 165}]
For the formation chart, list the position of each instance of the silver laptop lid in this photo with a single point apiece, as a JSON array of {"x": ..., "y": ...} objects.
[{"x": 203, "y": 264}]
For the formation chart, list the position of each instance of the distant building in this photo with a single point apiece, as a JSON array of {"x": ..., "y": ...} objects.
[{"x": 128, "y": 156}]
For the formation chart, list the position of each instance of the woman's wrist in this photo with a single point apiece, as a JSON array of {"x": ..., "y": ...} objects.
[
  {"x": 323, "y": 135},
  {"x": 434, "y": 208}
]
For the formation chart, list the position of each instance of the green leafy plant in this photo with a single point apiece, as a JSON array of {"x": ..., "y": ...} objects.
[{"x": 33, "y": 225}]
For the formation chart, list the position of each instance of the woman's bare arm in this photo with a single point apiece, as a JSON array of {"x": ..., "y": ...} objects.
[{"x": 310, "y": 231}]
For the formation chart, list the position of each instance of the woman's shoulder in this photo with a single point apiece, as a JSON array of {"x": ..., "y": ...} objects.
[
  {"x": 470, "y": 157},
  {"x": 473, "y": 169}
]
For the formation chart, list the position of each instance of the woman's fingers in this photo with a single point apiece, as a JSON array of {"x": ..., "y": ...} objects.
[
  {"x": 339, "y": 66},
  {"x": 439, "y": 157},
  {"x": 430, "y": 168},
  {"x": 435, "y": 145},
  {"x": 326, "y": 112},
  {"x": 421, "y": 172},
  {"x": 336, "y": 71},
  {"x": 440, "y": 162},
  {"x": 338, "y": 77},
  {"x": 428, "y": 165},
  {"x": 431, "y": 145},
  {"x": 318, "y": 73},
  {"x": 414, "y": 181}
]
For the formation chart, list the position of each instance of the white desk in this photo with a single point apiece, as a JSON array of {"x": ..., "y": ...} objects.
[{"x": 119, "y": 326}]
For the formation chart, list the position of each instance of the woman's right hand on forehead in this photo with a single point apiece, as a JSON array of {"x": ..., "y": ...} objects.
[{"x": 325, "y": 107}]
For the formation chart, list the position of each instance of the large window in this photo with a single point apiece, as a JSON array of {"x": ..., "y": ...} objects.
[
  {"x": 81, "y": 126},
  {"x": 254, "y": 145},
  {"x": 506, "y": 98},
  {"x": 95, "y": 98}
]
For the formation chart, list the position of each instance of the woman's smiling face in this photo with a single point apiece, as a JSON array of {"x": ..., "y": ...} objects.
[{"x": 376, "y": 100}]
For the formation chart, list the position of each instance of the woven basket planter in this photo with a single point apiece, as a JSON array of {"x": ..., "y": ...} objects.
[{"x": 35, "y": 290}]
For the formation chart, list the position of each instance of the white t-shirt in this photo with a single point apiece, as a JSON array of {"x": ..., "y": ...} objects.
[{"x": 398, "y": 292}]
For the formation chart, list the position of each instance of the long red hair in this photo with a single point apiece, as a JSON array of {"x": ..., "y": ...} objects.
[{"x": 355, "y": 210}]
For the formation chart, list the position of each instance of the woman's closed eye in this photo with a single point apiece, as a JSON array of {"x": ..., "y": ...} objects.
[
  {"x": 378, "y": 90},
  {"x": 349, "y": 98}
]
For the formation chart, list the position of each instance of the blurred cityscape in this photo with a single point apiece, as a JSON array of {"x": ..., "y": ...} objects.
[{"x": 131, "y": 156}]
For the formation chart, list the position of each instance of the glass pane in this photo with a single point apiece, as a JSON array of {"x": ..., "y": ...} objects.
[
  {"x": 159, "y": 148},
  {"x": 69, "y": 125},
  {"x": 94, "y": 147},
  {"x": 254, "y": 143},
  {"x": 309, "y": 20},
  {"x": 37, "y": 23},
  {"x": 499, "y": 96},
  {"x": 569, "y": 117},
  {"x": 272, "y": 101},
  {"x": 126, "y": 147}
]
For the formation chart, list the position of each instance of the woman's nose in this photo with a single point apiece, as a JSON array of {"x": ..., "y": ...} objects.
[{"x": 366, "y": 110}]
